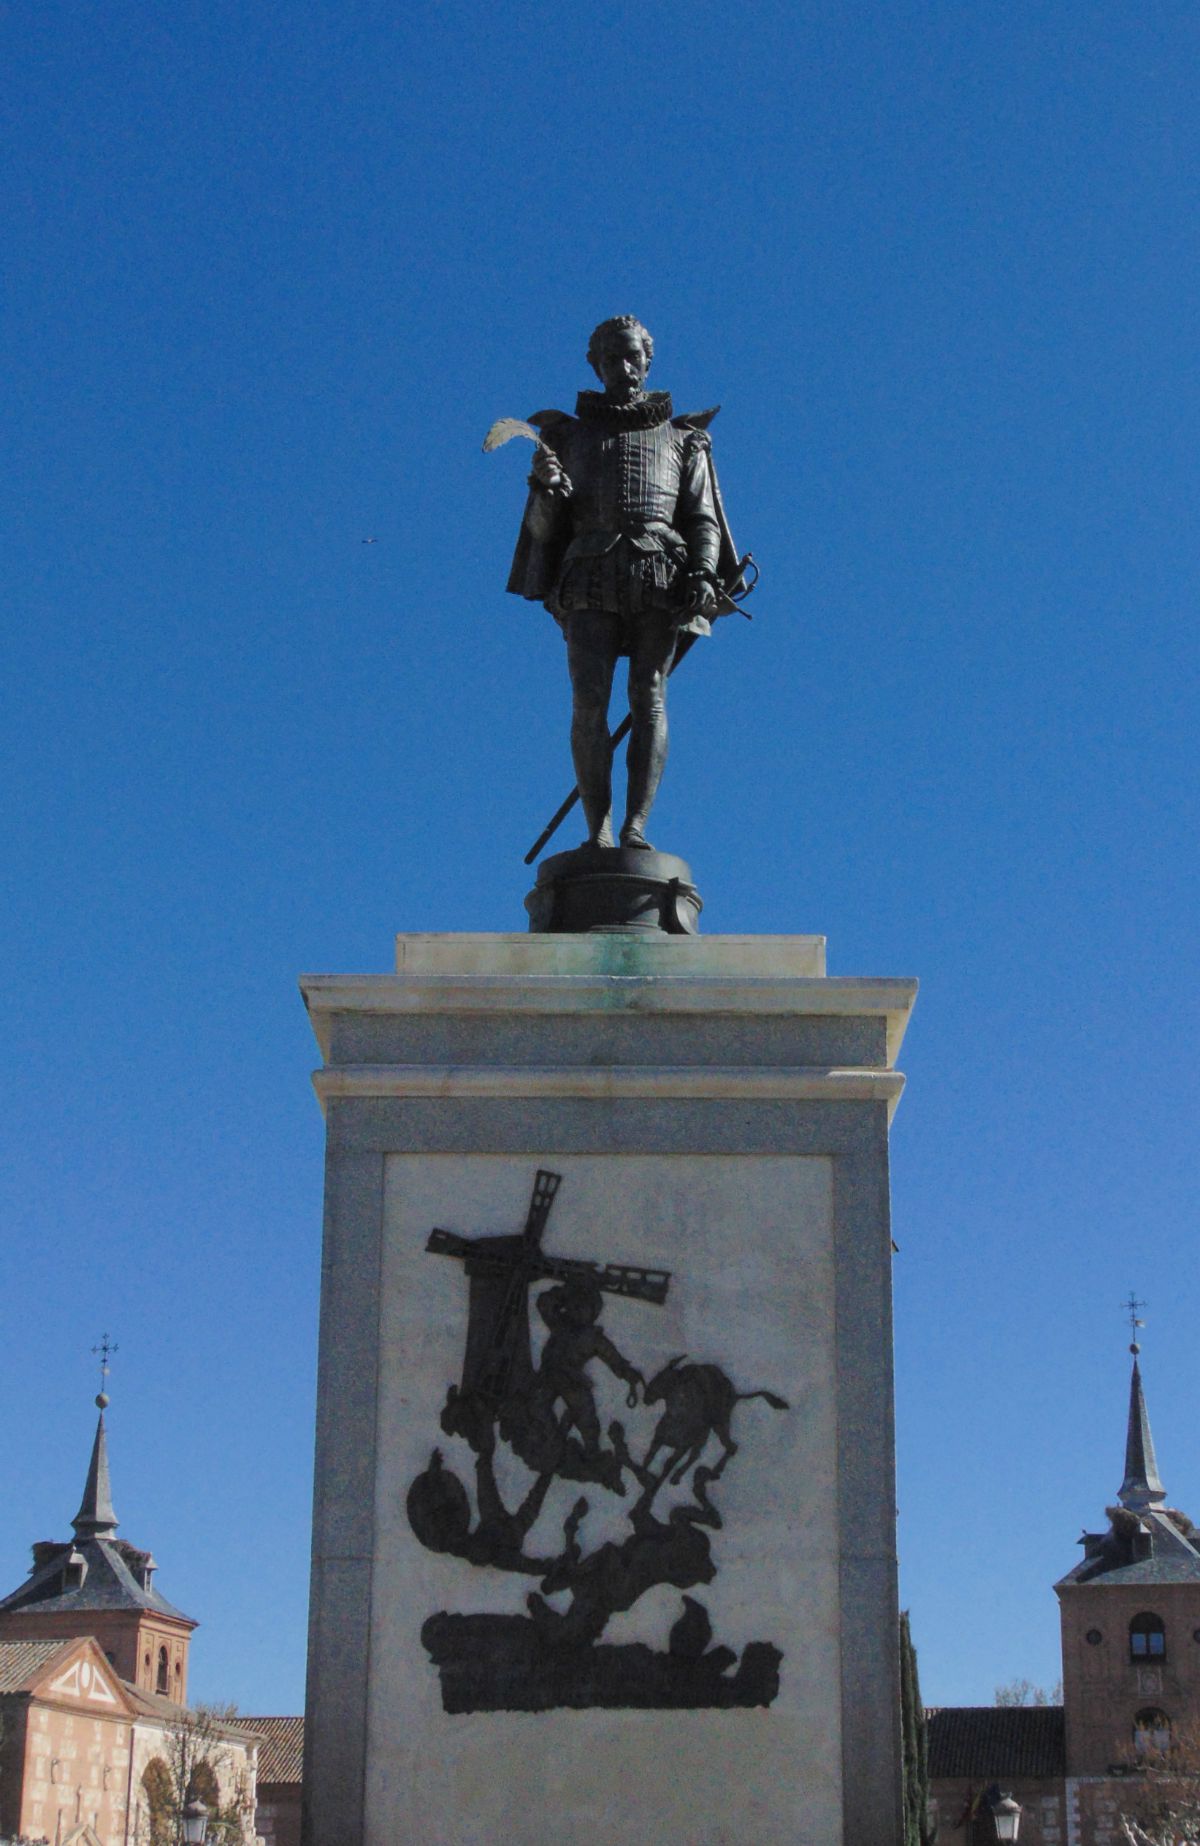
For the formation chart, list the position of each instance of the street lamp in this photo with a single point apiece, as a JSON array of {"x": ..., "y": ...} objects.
[
  {"x": 195, "y": 1824},
  {"x": 1006, "y": 1817}
]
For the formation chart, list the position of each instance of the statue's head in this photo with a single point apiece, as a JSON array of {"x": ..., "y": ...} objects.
[{"x": 619, "y": 352}]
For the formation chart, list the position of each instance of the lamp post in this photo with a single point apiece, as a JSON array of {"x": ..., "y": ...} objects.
[
  {"x": 195, "y": 1823},
  {"x": 1006, "y": 1817}
]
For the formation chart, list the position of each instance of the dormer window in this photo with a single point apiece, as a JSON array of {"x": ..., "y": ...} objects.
[
  {"x": 74, "y": 1570},
  {"x": 1147, "y": 1637}
]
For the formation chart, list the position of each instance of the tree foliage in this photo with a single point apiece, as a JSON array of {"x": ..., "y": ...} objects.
[
  {"x": 192, "y": 1765},
  {"x": 1160, "y": 1805},
  {"x": 914, "y": 1742},
  {"x": 1024, "y": 1692}
]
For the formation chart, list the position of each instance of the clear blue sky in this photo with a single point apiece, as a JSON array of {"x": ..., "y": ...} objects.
[{"x": 272, "y": 271}]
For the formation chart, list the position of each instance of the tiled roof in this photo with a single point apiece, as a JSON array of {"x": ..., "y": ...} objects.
[
  {"x": 157, "y": 1705},
  {"x": 995, "y": 1741},
  {"x": 1147, "y": 1570},
  {"x": 108, "y": 1582},
  {"x": 1143, "y": 1547},
  {"x": 281, "y": 1758},
  {"x": 21, "y": 1661}
]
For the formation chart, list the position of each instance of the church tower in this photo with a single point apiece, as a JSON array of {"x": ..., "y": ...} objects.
[
  {"x": 100, "y": 1585},
  {"x": 1130, "y": 1614}
]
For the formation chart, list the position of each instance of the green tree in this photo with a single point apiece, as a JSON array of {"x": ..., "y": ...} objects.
[{"x": 915, "y": 1744}]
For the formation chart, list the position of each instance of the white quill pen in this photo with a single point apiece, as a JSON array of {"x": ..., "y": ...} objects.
[{"x": 504, "y": 430}]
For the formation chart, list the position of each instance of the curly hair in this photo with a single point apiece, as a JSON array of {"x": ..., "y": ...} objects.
[{"x": 620, "y": 323}]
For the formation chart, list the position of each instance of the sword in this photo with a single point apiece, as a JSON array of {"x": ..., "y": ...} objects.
[
  {"x": 726, "y": 594},
  {"x": 503, "y": 431}
]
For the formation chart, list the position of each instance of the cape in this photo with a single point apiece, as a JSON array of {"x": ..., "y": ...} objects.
[{"x": 537, "y": 562}]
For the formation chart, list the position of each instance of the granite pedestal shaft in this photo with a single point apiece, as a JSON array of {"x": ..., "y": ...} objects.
[{"x": 678, "y": 1146}]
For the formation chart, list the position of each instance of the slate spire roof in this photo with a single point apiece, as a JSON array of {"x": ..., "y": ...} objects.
[
  {"x": 95, "y": 1570},
  {"x": 1141, "y": 1486},
  {"x": 1146, "y": 1541},
  {"x": 96, "y": 1518}
]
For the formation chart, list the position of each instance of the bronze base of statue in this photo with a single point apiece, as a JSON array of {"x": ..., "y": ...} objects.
[{"x": 613, "y": 888}]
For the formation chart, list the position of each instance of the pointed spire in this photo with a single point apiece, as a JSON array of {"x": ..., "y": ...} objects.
[
  {"x": 96, "y": 1518},
  {"x": 1141, "y": 1487}
]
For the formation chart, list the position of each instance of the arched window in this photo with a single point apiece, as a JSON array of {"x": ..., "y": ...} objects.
[
  {"x": 1147, "y": 1637},
  {"x": 1151, "y": 1732},
  {"x": 160, "y": 1684},
  {"x": 160, "y": 1801}
]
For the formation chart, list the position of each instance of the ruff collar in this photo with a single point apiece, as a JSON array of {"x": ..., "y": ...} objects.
[{"x": 645, "y": 412}]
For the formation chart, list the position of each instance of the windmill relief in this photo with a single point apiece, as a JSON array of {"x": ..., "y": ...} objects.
[{"x": 654, "y": 1469}]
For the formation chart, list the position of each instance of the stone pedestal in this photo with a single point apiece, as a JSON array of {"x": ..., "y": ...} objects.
[{"x": 604, "y": 1514}]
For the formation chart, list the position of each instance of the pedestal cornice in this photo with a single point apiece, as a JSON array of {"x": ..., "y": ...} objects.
[
  {"x": 596, "y": 977},
  {"x": 618, "y": 1081}
]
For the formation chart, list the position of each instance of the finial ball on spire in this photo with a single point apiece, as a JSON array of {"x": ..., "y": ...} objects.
[
  {"x": 1134, "y": 1348},
  {"x": 102, "y": 1400}
]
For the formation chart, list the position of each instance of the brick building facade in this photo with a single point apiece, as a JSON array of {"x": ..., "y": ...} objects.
[
  {"x": 280, "y": 1772},
  {"x": 94, "y": 1722},
  {"x": 1130, "y": 1622}
]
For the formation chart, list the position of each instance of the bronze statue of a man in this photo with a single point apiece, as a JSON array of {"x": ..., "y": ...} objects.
[{"x": 625, "y": 541}]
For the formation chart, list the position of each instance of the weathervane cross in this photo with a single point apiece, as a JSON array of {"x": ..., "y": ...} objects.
[
  {"x": 105, "y": 1347},
  {"x": 1131, "y": 1308}
]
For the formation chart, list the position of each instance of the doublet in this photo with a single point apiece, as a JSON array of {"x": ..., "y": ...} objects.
[{"x": 641, "y": 515}]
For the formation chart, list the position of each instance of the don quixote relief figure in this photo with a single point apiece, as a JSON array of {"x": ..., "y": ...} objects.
[{"x": 656, "y": 1466}]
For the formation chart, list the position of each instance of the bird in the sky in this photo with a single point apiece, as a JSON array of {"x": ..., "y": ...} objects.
[{"x": 370, "y": 541}]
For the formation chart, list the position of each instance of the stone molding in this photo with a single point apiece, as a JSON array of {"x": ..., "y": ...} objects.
[
  {"x": 715, "y": 1082},
  {"x": 654, "y": 993}
]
